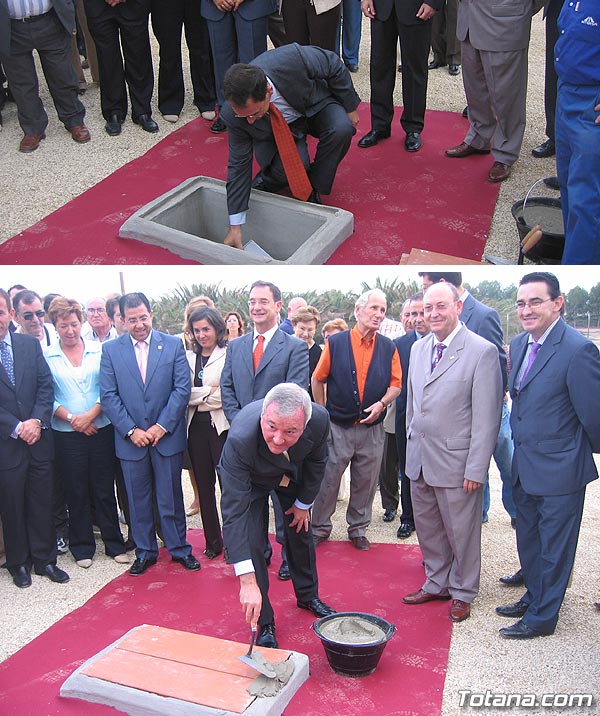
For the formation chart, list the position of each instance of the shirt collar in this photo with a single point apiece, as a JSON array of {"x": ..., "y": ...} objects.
[
  {"x": 146, "y": 340},
  {"x": 544, "y": 335}
]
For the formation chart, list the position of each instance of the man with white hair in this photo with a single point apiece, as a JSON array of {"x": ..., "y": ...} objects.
[
  {"x": 277, "y": 445},
  {"x": 363, "y": 376},
  {"x": 294, "y": 304},
  {"x": 98, "y": 326}
]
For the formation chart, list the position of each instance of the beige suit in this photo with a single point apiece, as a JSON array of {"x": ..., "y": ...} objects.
[{"x": 452, "y": 417}]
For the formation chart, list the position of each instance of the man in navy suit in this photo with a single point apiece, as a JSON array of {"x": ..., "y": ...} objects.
[
  {"x": 555, "y": 389},
  {"x": 144, "y": 389},
  {"x": 26, "y": 454},
  {"x": 276, "y": 445}
]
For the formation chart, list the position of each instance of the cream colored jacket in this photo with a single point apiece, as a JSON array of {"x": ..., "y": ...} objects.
[{"x": 201, "y": 398}]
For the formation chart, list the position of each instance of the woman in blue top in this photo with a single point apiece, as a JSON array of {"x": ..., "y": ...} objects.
[{"x": 83, "y": 437}]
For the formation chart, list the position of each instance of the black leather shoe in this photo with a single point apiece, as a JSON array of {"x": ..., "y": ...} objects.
[
  {"x": 521, "y": 631},
  {"x": 284, "y": 572},
  {"x": 266, "y": 637},
  {"x": 314, "y": 198},
  {"x": 317, "y": 607},
  {"x": 351, "y": 67},
  {"x": 218, "y": 126},
  {"x": 434, "y": 64},
  {"x": 465, "y": 112},
  {"x": 514, "y": 580},
  {"x": 405, "y": 530},
  {"x": 516, "y": 610},
  {"x": 189, "y": 562},
  {"x": 413, "y": 142},
  {"x": 54, "y": 573},
  {"x": 545, "y": 149},
  {"x": 21, "y": 577},
  {"x": 371, "y": 138},
  {"x": 453, "y": 70},
  {"x": 211, "y": 554},
  {"x": 113, "y": 125},
  {"x": 389, "y": 515},
  {"x": 140, "y": 566},
  {"x": 552, "y": 182},
  {"x": 146, "y": 123}
]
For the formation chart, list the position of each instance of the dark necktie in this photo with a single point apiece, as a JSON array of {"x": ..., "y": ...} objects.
[
  {"x": 532, "y": 354},
  {"x": 258, "y": 352},
  {"x": 7, "y": 361},
  {"x": 295, "y": 172},
  {"x": 439, "y": 350}
]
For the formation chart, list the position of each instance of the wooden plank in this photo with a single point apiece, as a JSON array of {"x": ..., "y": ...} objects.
[{"x": 422, "y": 256}]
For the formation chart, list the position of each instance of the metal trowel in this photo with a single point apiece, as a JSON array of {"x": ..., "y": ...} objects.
[{"x": 257, "y": 661}]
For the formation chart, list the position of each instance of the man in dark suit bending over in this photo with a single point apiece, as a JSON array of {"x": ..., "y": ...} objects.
[
  {"x": 278, "y": 444},
  {"x": 312, "y": 89}
]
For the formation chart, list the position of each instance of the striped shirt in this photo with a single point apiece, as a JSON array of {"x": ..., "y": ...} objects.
[{"x": 19, "y": 9}]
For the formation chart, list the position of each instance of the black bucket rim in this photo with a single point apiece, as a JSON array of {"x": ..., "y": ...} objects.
[
  {"x": 519, "y": 217},
  {"x": 388, "y": 628}
]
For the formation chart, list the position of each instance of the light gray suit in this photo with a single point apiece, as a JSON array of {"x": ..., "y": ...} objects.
[
  {"x": 495, "y": 40},
  {"x": 452, "y": 417}
]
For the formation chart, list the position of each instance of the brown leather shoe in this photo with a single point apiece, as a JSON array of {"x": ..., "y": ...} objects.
[
  {"x": 80, "y": 134},
  {"x": 464, "y": 150},
  {"x": 361, "y": 543},
  {"x": 421, "y": 597},
  {"x": 459, "y": 611},
  {"x": 499, "y": 172},
  {"x": 31, "y": 142}
]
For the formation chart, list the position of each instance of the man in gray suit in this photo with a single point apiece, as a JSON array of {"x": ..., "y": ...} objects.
[
  {"x": 312, "y": 89},
  {"x": 495, "y": 40},
  {"x": 276, "y": 445},
  {"x": 452, "y": 415}
]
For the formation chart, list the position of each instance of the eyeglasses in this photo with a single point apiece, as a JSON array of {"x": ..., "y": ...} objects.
[
  {"x": 30, "y": 314},
  {"x": 135, "y": 321},
  {"x": 96, "y": 310},
  {"x": 534, "y": 303},
  {"x": 255, "y": 115}
]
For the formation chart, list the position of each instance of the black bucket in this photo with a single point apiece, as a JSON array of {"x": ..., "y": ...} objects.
[
  {"x": 547, "y": 212},
  {"x": 352, "y": 658}
]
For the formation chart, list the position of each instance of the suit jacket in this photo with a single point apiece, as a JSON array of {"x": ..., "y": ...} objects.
[
  {"x": 32, "y": 396},
  {"x": 64, "y": 9},
  {"x": 406, "y": 10},
  {"x": 555, "y": 415},
  {"x": 247, "y": 462},
  {"x": 201, "y": 399},
  {"x": 285, "y": 360},
  {"x": 163, "y": 399},
  {"x": 453, "y": 413},
  {"x": 496, "y": 25},
  {"x": 309, "y": 78},
  {"x": 485, "y": 321},
  {"x": 248, "y": 10}
]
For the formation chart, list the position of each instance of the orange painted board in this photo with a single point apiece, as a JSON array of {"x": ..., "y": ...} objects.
[
  {"x": 173, "y": 679},
  {"x": 422, "y": 256},
  {"x": 195, "y": 649}
]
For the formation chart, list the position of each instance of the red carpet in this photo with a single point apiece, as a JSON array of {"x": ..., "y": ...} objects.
[
  {"x": 400, "y": 201},
  {"x": 409, "y": 679}
]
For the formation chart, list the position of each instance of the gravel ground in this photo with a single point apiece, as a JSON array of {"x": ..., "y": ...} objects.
[
  {"x": 480, "y": 661},
  {"x": 64, "y": 170}
]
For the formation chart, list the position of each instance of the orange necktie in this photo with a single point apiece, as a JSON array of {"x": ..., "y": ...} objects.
[
  {"x": 295, "y": 172},
  {"x": 258, "y": 352}
]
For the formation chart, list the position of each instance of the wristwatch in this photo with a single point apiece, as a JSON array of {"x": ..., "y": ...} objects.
[
  {"x": 69, "y": 417},
  {"x": 130, "y": 433}
]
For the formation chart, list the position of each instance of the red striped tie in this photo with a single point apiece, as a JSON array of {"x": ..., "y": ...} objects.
[{"x": 295, "y": 172}]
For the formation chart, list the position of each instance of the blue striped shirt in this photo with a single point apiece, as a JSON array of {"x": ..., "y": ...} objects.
[{"x": 19, "y": 9}]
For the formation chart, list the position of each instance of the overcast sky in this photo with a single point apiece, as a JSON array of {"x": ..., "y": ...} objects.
[{"x": 84, "y": 282}]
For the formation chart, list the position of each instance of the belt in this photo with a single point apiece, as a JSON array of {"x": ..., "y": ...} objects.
[{"x": 33, "y": 18}]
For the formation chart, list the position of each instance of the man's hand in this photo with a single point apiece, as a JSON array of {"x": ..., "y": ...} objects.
[
  {"x": 155, "y": 433},
  {"x": 471, "y": 485},
  {"x": 31, "y": 431},
  {"x": 225, "y": 5},
  {"x": 140, "y": 438},
  {"x": 374, "y": 411},
  {"x": 250, "y": 598},
  {"x": 301, "y": 518},
  {"x": 368, "y": 8},
  {"x": 234, "y": 237},
  {"x": 425, "y": 12},
  {"x": 353, "y": 116}
]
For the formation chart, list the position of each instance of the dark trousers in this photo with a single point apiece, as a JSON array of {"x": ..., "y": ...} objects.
[
  {"x": 168, "y": 19},
  {"x": 26, "y": 511},
  {"x": 444, "y": 43},
  {"x": 551, "y": 79},
  {"x": 299, "y": 546},
  {"x": 547, "y": 534},
  {"x": 124, "y": 61},
  {"x": 159, "y": 475},
  {"x": 52, "y": 42},
  {"x": 304, "y": 26},
  {"x": 59, "y": 505},
  {"x": 405, "y": 496},
  {"x": 388, "y": 475},
  {"x": 205, "y": 447},
  {"x": 414, "y": 48},
  {"x": 86, "y": 463}
]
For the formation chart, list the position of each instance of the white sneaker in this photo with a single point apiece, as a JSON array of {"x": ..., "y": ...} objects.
[
  {"x": 209, "y": 115},
  {"x": 122, "y": 558},
  {"x": 171, "y": 118},
  {"x": 84, "y": 563}
]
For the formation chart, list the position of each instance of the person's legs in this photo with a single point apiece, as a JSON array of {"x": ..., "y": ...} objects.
[
  {"x": 167, "y": 22},
  {"x": 169, "y": 501},
  {"x": 322, "y": 29},
  {"x": 139, "y": 73},
  {"x": 137, "y": 475},
  {"x": 481, "y": 116},
  {"x": 414, "y": 47},
  {"x": 333, "y": 129},
  {"x": 351, "y": 31},
  {"x": 364, "y": 471},
  {"x": 382, "y": 72},
  {"x": 201, "y": 64},
  {"x": 503, "y": 454}
]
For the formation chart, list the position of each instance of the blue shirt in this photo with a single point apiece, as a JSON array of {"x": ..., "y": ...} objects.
[
  {"x": 19, "y": 9},
  {"x": 76, "y": 389},
  {"x": 577, "y": 51}
]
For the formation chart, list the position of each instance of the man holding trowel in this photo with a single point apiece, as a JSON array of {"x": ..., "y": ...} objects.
[{"x": 279, "y": 444}]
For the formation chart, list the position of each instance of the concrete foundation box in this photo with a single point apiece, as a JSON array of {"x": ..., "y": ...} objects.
[{"x": 191, "y": 220}]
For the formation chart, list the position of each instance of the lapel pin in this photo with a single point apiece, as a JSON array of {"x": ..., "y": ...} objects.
[{"x": 159, "y": 346}]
